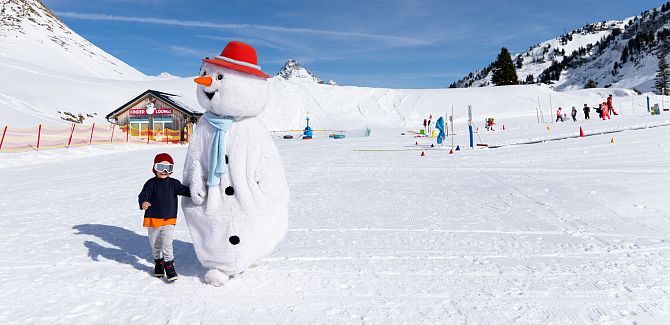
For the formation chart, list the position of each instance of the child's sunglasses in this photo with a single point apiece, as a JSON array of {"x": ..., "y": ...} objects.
[{"x": 163, "y": 167}]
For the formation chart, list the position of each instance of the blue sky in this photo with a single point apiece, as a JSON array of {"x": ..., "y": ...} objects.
[{"x": 392, "y": 43}]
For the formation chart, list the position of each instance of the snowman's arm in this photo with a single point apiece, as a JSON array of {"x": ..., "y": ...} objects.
[
  {"x": 269, "y": 175},
  {"x": 193, "y": 168}
]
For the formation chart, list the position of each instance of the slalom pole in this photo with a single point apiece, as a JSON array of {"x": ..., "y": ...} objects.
[
  {"x": 539, "y": 108},
  {"x": 550, "y": 108},
  {"x": 69, "y": 141},
  {"x": 127, "y": 132},
  {"x": 451, "y": 119},
  {"x": 148, "y": 135},
  {"x": 90, "y": 141},
  {"x": 472, "y": 140},
  {"x": 112, "y": 137},
  {"x": 3, "y": 137}
]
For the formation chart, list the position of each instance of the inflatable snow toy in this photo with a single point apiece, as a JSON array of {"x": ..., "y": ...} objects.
[
  {"x": 307, "y": 137},
  {"x": 338, "y": 136},
  {"x": 288, "y": 136}
]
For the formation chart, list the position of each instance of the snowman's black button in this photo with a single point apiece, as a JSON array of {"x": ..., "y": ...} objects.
[
  {"x": 230, "y": 190},
  {"x": 234, "y": 240},
  {"x": 226, "y": 159}
]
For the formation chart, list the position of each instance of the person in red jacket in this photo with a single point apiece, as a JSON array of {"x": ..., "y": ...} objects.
[
  {"x": 605, "y": 111},
  {"x": 610, "y": 106},
  {"x": 559, "y": 115}
]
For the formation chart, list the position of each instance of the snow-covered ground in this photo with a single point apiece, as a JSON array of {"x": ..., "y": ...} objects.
[{"x": 563, "y": 232}]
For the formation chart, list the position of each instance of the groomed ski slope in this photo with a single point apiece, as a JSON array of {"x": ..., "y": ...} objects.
[{"x": 564, "y": 232}]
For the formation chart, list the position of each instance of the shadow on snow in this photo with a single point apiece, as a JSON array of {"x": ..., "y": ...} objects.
[{"x": 133, "y": 248}]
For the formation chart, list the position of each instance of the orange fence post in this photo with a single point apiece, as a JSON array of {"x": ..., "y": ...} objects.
[
  {"x": 39, "y": 133},
  {"x": 111, "y": 139},
  {"x": 71, "y": 132},
  {"x": 91, "y": 139},
  {"x": 3, "y": 137},
  {"x": 179, "y": 128}
]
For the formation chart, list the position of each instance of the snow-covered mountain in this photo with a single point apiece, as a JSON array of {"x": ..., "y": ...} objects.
[
  {"x": 29, "y": 32},
  {"x": 292, "y": 70},
  {"x": 616, "y": 53}
]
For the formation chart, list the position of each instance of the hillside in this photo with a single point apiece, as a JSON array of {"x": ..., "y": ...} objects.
[
  {"x": 616, "y": 53},
  {"x": 30, "y": 33}
]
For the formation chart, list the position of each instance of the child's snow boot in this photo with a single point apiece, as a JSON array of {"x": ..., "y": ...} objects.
[
  {"x": 170, "y": 271},
  {"x": 159, "y": 271}
]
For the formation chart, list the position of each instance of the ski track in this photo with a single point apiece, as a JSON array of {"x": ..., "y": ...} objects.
[{"x": 551, "y": 235}]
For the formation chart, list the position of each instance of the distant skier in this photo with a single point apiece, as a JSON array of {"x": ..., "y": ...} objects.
[
  {"x": 489, "y": 124},
  {"x": 587, "y": 110},
  {"x": 574, "y": 114},
  {"x": 605, "y": 112},
  {"x": 599, "y": 110},
  {"x": 559, "y": 115},
  {"x": 429, "y": 121},
  {"x": 159, "y": 201},
  {"x": 610, "y": 106},
  {"x": 425, "y": 123}
]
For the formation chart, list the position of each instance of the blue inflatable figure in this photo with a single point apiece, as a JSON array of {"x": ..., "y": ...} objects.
[{"x": 440, "y": 126}]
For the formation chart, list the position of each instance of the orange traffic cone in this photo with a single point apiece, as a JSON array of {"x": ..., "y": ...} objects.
[
  {"x": 581, "y": 132},
  {"x": 422, "y": 154}
]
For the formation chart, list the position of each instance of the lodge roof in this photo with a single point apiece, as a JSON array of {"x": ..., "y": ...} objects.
[{"x": 166, "y": 97}]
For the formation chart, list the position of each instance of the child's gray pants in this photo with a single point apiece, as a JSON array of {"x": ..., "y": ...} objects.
[{"x": 161, "y": 242}]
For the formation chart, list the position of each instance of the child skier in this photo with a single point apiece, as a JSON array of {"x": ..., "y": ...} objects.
[
  {"x": 574, "y": 114},
  {"x": 587, "y": 110},
  {"x": 559, "y": 115},
  {"x": 158, "y": 199}
]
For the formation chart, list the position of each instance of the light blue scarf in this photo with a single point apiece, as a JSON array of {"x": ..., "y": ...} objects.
[{"x": 217, "y": 160}]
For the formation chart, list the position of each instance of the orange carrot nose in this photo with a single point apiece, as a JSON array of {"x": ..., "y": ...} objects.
[{"x": 205, "y": 81}]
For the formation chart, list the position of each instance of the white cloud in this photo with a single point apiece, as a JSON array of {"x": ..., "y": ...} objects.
[{"x": 397, "y": 41}]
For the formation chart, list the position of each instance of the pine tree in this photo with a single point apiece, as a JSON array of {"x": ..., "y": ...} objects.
[
  {"x": 504, "y": 72},
  {"x": 662, "y": 76},
  {"x": 591, "y": 84}
]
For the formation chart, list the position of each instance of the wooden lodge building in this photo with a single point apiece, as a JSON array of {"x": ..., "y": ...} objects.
[{"x": 156, "y": 114}]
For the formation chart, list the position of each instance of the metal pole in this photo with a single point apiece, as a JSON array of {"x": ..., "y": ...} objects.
[{"x": 472, "y": 142}]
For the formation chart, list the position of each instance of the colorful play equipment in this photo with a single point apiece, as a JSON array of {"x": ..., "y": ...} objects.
[{"x": 307, "y": 133}]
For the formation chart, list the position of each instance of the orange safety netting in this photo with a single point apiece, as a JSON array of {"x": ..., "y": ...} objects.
[{"x": 50, "y": 137}]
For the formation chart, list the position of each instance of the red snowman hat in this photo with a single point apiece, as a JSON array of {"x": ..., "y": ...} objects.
[{"x": 238, "y": 56}]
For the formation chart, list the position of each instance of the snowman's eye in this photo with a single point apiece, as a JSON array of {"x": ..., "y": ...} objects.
[
  {"x": 220, "y": 76},
  {"x": 204, "y": 73}
]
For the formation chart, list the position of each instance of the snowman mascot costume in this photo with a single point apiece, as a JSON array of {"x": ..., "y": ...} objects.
[{"x": 238, "y": 210}]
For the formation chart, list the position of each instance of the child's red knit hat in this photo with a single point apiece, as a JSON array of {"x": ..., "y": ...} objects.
[{"x": 163, "y": 157}]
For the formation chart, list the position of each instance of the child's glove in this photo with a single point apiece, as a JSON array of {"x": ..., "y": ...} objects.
[{"x": 198, "y": 188}]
